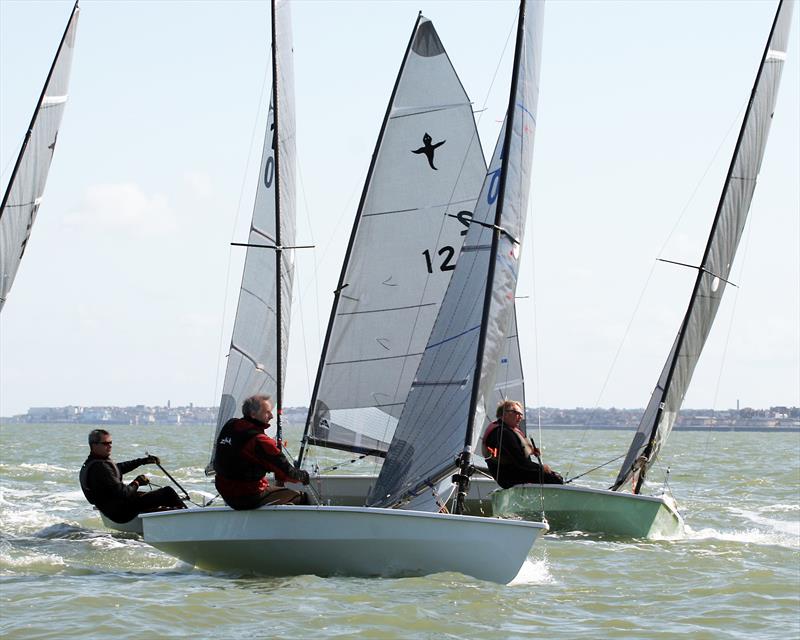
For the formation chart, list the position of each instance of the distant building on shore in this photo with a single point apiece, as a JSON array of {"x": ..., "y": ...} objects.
[{"x": 589, "y": 418}]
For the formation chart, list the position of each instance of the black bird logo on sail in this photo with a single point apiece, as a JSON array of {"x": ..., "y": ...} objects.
[{"x": 428, "y": 149}]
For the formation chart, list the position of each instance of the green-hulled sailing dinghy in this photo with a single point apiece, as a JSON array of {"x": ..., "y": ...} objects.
[{"x": 622, "y": 510}]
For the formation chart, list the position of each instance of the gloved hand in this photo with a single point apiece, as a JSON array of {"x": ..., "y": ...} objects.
[
  {"x": 152, "y": 460},
  {"x": 302, "y": 476},
  {"x": 141, "y": 480}
]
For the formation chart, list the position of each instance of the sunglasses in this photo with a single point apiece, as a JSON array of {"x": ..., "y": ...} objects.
[{"x": 108, "y": 443}]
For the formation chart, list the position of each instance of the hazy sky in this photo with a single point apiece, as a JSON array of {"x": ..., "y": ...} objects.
[{"x": 128, "y": 286}]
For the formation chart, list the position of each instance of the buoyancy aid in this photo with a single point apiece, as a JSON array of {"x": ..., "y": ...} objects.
[
  {"x": 84, "y": 477},
  {"x": 489, "y": 452},
  {"x": 84, "y": 480},
  {"x": 228, "y": 459}
]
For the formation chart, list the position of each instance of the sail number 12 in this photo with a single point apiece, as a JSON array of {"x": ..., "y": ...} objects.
[{"x": 447, "y": 263}]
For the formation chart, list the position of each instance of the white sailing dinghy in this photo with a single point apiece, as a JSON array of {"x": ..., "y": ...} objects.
[
  {"x": 622, "y": 510},
  {"x": 355, "y": 541},
  {"x": 23, "y": 196}
]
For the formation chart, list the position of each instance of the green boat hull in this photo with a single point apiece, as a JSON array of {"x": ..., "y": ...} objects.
[{"x": 595, "y": 511}]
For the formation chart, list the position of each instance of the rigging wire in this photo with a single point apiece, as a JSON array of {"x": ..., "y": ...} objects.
[
  {"x": 731, "y": 128},
  {"x": 11, "y": 160},
  {"x": 245, "y": 177},
  {"x": 600, "y": 466},
  {"x": 646, "y": 285},
  {"x": 732, "y": 318},
  {"x": 297, "y": 300}
]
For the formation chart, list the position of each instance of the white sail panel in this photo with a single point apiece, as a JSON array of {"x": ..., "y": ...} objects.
[
  {"x": 509, "y": 381},
  {"x": 23, "y": 195},
  {"x": 427, "y": 170},
  {"x": 726, "y": 231},
  {"x": 434, "y": 425},
  {"x": 253, "y": 356}
]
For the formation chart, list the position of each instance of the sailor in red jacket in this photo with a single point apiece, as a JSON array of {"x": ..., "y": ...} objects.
[{"x": 243, "y": 456}]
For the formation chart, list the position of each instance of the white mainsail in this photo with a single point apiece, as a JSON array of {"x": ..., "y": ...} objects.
[
  {"x": 412, "y": 219},
  {"x": 712, "y": 277},
  {"x": 445, "y": 409},
  {"x": 23, "y": 195},
  {"x": 257, "y": 355}
]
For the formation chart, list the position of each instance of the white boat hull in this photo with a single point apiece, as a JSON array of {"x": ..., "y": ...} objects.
[
  {"x": 132, "y": 526},
  {"x": 597, "y": 511},
  {"x": 342, "y": 541}
]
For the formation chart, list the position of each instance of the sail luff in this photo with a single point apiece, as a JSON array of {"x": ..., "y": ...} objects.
[
  {"x": 13, "y": 240},
  {"x": 726, "y": 230}
]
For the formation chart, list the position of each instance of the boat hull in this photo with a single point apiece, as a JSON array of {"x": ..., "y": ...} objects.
[
  {"x": 596, "y": 511},
  {"x": 132, "y": 526},
  {"x": 342, "y": 541}
]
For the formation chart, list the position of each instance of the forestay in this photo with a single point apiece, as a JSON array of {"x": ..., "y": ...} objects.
[
  {"x": 445, "y": 410},
  {"x": 253, "y": 358},
  {"x": 23, "y": 195},
  {"x": 712, "y": 277},
  {"x": 420, "y": 191}
]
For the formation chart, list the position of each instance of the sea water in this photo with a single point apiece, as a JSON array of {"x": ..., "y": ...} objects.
[{"x": 733, "y": 573}]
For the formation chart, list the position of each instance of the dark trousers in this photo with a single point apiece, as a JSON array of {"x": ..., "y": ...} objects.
[
  {"x": 508, "y": 477},
  {"x": 163, "y": 499}
]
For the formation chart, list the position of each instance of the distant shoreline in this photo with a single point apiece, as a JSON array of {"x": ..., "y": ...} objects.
[
  {"x": 567, "y": 427},
  {"x": 717, "y": 427}
]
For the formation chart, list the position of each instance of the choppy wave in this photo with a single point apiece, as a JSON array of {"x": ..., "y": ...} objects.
[
  {"x": 789, "y": 528},
  {"x": 66, "y": 531},
  {"x": 783, "y": 508},
  {"x": 748, "y": 536},
  {"x": 36, "y": 562},
  {"x": 732, "y": 575}
]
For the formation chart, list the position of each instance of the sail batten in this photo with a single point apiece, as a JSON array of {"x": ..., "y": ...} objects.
[
  {"x": 415, "y": 111},
  {"x": 387, "y": 309},
  {"x": 51, "y": 101},
  {"x": 723, "y": 240},
  {"x": 376, "y": 359}
]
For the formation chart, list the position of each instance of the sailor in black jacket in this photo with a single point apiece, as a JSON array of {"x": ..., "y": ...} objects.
[{"x": 101, "y": 482}]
